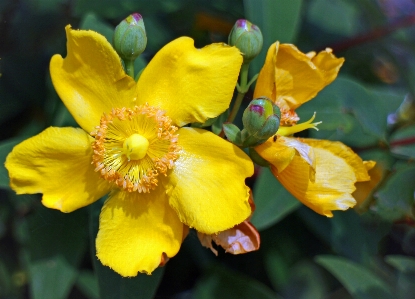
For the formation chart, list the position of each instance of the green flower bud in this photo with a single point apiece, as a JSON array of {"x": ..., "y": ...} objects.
[
  {"x": 247, "y": 37},
  {"x": 261, "y": 118},
  {"x": 130, "y": 37}
]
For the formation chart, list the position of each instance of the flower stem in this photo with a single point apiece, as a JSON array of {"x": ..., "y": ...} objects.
[
  {"x": 242, "y": 90},
  {"x": 129, "y": 67}
]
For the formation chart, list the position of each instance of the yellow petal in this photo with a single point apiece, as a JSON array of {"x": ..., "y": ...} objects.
[
  {"x": 365, "y": 188},
  {"x": 191, "y": 84},
  {"x": 136, "y": 230},
  {"x": 265, "y": 85},
  {"x": 57, "y": 163},
  {"x": 297, "y": 77},
  {"x": 328, "y": 65},
  {"x": 280, "y": 151},
  {"x": 339, "y": 149},
  {"x": 207, "y": 185},
  {"x": 90, "y": 80},
  {"x": 333, "y": 184}
]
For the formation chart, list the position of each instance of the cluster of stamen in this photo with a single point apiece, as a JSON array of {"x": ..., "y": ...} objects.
[
  {"x": 288, "y": 117},
  {"x": 112, "y": 160}
]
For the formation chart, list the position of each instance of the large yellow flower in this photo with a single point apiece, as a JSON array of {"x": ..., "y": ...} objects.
[
  {"x": 161, "y": 177},
  {"x": 321, "y": 174}
]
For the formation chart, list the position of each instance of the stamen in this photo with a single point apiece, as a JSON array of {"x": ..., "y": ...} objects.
[
  {"x": 287, "y": 131},
  {"x": 133, "y": 146}
]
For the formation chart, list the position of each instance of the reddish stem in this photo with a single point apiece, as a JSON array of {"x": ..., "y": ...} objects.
[
  {"x": 410, "y": 140},
  {"x": 373, "y": 35}
]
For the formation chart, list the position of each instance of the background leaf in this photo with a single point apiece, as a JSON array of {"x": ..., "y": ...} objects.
[
  {"x": 278, "y": 21},
  {"x": 272, "y": 201},
  {"x": 359, "y": 281}
]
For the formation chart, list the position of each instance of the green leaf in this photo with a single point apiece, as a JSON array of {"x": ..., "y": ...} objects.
[
  {"x": 56, "y": 245},
  {"x": 278, "y": 20},
  {"x": 273, "y": 202},
  {"x": 220, "y": 282},
  {"x": 401, "y": 262},
  {"x": 5, "y": 148},
  {"x": 90, "y": 21},
  {"x": 358, "y": 281},
  {"x": 395, "y": 199},
  {"x": 351, "y": 112},
  {"x": 405, "y": 283},
  {"x": 305, "y": 281},
  {"x": 403, "y": 142},
  {"x": 111, "y": 284},
  {"x": 51, "y": 278},
  {"x": 340, "y": 232},
  {"x": 88, "y": 284},
  {"x": 339, "y": 17}
]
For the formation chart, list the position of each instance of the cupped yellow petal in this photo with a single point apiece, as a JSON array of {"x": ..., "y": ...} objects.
[
  {"x": 359, "y": 167},
  {"x": 57, "y": 163},
  {"x": 328, "y": 65},
  {"x": 296, "y": 77},
  {"x": 207, "y": 184},
  {"x": 333, "y": 182},
  {"x": 90, "y": 80},
  {"x": 365, "y": 188},
  {"x": 136, "y": 230},
  {"x": 265, "y": 84},
  {"x": 191, "y": 84},
  {"x": 280, "y": 151}
]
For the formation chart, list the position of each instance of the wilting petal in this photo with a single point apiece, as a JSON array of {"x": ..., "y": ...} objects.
[
  {"x": 191, "y": 84},
  {"x": 57, "y": 163},
  {"x": 206, "y": 186},
  {"x": 240, "y": 239},
  {"x": 136, "y": 230},
  {"x": 90, "y": 80},
  {"x": 334, "y": 179},
  {"x": 296, "y": 77}
]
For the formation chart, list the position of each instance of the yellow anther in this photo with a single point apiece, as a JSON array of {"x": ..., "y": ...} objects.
[{"x": 135, "y": 147}]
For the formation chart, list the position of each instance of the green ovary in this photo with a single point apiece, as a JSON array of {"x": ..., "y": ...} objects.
[{"x": 135, "y": 147}]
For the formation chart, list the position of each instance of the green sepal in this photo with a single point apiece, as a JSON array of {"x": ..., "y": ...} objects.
[
  {"x": 250, "y": 140},
  {"x": 233, "y": 133},
  {"x": 256, "y": 158}
]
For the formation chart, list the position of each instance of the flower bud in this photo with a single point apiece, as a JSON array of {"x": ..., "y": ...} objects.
[
  {"x": 247, "y": 37},
  {"x": 261, "y": 118},
  {"x": 130, "y": 37}
]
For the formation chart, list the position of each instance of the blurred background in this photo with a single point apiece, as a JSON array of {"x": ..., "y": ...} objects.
[{"x": 367, "y": 252}]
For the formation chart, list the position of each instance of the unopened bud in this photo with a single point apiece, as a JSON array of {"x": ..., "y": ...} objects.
[
  {"x": 247, "y": 37},
  {"x": 130, "y": 37},
  {"x": 261, "y": 118}
]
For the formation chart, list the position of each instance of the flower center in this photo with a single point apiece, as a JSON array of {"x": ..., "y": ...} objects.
[
  {"x": 287, "y": 131},
  {"x": 133, "y": 146}
]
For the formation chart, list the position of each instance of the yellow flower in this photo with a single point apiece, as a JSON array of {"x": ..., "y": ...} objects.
[
  {"x": 321, "y": 174},
  {"x": 161, "y": 177}
]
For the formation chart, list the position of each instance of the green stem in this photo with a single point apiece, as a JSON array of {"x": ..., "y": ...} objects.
[
  {"x": 242, "y": 90},
  {"x": 129, "y": 67}
]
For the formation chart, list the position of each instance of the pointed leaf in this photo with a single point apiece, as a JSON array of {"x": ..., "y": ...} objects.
[
  {"x": 223, "y": 283},
  {"x": 358, "y": 281},
  {"x": 278, "y": 20},
  {"x": 272, "y": 201}
]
